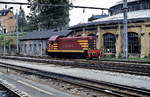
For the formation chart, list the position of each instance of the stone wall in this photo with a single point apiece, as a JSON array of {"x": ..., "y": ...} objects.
[{"x": 33, "y": 47}]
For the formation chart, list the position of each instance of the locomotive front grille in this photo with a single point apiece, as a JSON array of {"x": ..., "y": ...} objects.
[
  {"x": 84, "y": 44},
  {"x": 53, "y": 46},
  {"x": 92, "y": 44}
]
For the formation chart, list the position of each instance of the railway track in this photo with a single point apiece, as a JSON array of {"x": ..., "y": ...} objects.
[
  {"x": 6, "y": 92},
  {"x": 10, "y": 91},
  {"x": 119, "y": 67},
  {"x": 100, "y": 86},
  {"x": 135, "y": 68}
]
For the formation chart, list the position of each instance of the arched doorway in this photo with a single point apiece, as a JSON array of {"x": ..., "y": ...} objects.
[
  {"x": 133, "y": 42},
  {"x": 109, "y": 43}
]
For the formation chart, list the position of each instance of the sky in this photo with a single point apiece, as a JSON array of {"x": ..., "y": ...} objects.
[{"x": 79, "y": 15}]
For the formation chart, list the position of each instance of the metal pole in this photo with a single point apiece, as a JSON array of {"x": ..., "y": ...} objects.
[
  {"x": 125, "y": 28},
  {"x": 4, "y": 43},
  {"x": 17, "y": 33}
]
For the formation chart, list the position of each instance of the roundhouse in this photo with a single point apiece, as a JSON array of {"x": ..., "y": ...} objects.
[{"x": 109, "y": 30}]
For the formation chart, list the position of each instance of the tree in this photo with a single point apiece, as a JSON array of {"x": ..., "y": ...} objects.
[
  {"x": 49, "y": 17},
  {"x": 22, "y": 23}
]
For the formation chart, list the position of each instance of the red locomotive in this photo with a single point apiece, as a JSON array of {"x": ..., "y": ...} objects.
[{"x": 84, "y": 47}]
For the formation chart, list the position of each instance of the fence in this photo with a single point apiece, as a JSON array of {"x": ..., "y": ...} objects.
[{"x": 8, "y": 50}]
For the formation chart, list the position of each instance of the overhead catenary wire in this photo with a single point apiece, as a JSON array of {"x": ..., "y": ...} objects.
[{"x": 53, "y": 5}]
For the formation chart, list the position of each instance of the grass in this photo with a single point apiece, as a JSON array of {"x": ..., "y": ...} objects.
[
  {"x": 140, "y": 59},
  {"x": 147, "y": 59}
]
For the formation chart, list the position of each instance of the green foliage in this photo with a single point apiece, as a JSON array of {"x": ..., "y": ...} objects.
[
  {"x": 48, "y": 17},
  {"x": 1, "y": 40},
  {"x": 10, "y": 40},
  {"x": 22, "y": 22}
]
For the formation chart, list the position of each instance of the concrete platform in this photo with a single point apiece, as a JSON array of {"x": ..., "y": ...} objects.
[
  {"x": 119, "y": 78},
  {"x": 30, "y": 88}
]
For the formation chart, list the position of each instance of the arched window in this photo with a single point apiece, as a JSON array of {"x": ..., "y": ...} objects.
[
  {"x": 133, "y": 43},
  {"x": 109, "y": 43}
]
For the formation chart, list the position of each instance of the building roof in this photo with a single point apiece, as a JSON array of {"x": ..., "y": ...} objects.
[
  {"x": 4, "y": 12},
  {"x": 121, "y": 1},
  {"x": 44, "y": 34},
  {"x": 94, "y": 17},
  {"x": 134, "y": 16}
]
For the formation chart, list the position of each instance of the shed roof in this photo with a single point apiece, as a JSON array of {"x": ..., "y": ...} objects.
[
  {"x": 44, "y": 34},
  {"x": 134, "y": 16}
]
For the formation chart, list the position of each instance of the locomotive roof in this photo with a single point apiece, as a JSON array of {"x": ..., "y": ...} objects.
[
  {"x": 78, "y": 37},
  {"x": 134, "y": 16},
  {"x": 44, "y": 34},
  {"x": 54, "y": 38}
]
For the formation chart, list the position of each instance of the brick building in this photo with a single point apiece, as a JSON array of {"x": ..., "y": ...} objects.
[
  {"x": 109, "y": 30},
  {"x": 7, "y": 21}
]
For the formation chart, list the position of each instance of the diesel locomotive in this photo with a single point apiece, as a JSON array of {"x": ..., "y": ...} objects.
[{"x": 73, "y": 47}]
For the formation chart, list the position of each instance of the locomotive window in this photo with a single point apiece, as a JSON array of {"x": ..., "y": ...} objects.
[
  {"x": 109, "y": 43},
  {"x": 133, "y": 44}
]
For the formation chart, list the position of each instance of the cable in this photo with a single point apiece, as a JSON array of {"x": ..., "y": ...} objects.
[{"x": 19, "y": 3}]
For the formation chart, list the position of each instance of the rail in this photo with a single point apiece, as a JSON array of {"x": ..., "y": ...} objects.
[
  {"x": 114, "y": 66},
  {"x": 101, "y": 86}
]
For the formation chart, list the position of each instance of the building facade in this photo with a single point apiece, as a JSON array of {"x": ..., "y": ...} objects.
[
  {"x": 109, "y": 30},
  {"x": 7, "y": 21},
  {"x": 35, "y": 43}
]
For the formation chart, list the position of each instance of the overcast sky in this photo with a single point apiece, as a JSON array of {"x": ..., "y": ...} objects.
[{"x": 78, "y": 15}]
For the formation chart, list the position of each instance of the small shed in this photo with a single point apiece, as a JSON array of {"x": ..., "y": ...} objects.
[{"x": 35, "y": 43}]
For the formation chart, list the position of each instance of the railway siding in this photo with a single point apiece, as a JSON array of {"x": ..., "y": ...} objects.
[
  {"x": 80, "y": 81},
  {"x": 13, "y": 89},
  {"x": 114, "y": 77},
  {"x": 131, "y": 67}
]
